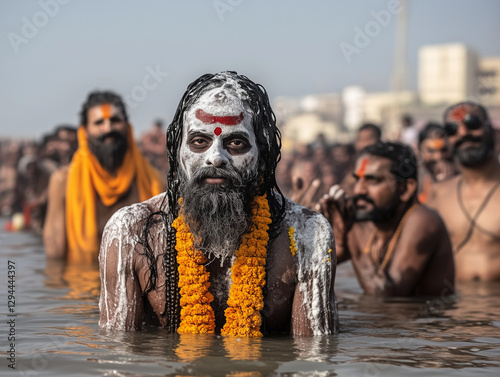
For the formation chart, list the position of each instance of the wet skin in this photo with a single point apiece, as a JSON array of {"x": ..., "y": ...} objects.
[
  {"x": 290, "y": 284},
  {"x": 421, "y": 263}
]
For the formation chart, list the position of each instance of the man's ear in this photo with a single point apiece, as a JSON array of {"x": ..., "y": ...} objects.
[{"x": 408, "y": 189}]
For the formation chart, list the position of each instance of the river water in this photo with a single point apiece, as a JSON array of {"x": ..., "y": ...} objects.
[{"x": 54, "y": 323}]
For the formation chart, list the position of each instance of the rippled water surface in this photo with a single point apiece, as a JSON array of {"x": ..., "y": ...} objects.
[{"x": 57, "y": 334}]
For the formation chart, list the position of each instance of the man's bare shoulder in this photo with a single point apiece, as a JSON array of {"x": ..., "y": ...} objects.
[
  {"x": 60, "y": 176},
  {"x": 424, "y": 222},
  {"x": 313, "y": 247},
  {"x": 127, "y": 224},
  {"x": 311, "y": 232},
  {"x": 442, "y": 189},
  {"x": 439, "y": 197},
  {"x": 303, "y": 218}
]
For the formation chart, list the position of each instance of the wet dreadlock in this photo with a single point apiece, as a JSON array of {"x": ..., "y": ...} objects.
[{"x": 268, "y": 136}]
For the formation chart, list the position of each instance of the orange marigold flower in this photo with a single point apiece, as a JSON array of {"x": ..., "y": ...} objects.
[{"x": 246, "y": 298}]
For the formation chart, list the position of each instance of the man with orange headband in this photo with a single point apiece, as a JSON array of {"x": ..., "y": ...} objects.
[
  {"x": 435, "y": 159},
  {"x": 106, "y": 173},
  {"x": 397, "y": 246},
  {"x": 470, "y": 202},
  {"x": 222, "y": 251}
]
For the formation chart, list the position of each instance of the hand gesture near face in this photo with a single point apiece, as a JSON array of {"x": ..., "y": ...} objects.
[
  {"x": 338, "y": 210},
  {"x": 304, "y": 194}
]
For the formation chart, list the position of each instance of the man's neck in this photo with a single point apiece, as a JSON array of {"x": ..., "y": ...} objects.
[
  {"x": 489, "y": 170},
  {"x": 385, "y": 229}
]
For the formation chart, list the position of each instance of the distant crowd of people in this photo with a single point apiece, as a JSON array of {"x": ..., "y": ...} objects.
[{"x": 26, "y": 166}]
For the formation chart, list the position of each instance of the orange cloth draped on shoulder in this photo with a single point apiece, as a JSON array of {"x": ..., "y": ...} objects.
[{"x": 87, "y": 177}]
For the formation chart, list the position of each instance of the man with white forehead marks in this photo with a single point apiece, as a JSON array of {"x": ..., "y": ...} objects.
[{"x": 222, "y": 251}]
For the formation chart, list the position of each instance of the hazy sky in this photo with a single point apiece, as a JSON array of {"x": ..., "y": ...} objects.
[{"x": 53, "y": 54}]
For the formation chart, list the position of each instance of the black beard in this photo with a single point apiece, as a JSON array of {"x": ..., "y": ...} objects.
[
  {"x": 110, "y": 156},
  {"x": 217, "y": 214},
  {"x": 377, "y": 215},
  {"x": 474, "y": 156}
]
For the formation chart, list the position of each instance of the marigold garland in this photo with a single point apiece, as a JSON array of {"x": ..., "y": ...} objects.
[
  {"x": 248, "y": 274},
  {"x": 293, "y": 247}
]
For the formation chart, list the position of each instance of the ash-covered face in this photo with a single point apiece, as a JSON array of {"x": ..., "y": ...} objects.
[
  {"x": 218, "y": 132},
  {"x": 219, "y": 171}
]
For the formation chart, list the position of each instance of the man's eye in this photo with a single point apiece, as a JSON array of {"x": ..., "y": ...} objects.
[
  {"x": 374, "y": 180},
  {"x": 237, "y": 143},
  {"x": 199, "y": 142}
]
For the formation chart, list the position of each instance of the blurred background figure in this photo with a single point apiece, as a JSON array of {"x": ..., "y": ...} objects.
[
  {"x": 409, "y": 132},
  {"x": 153, "y": 146},
  {"x": 469, "y": 203},
  {"x": 368, "y": 134},
  {"x": 10, "y": 154},
  {"x": 106, "y": 173},
  {"x": 435, "y": 158},
  {"x": 35, "y": 163}
]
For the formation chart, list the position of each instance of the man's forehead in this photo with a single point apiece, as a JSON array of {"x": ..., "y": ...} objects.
[
  {"x": 368, "y": 163},
  {"x": 459, "y": 112},
  {"x": 219, "y": 107},
  {"x": 435, "y": 142},
  {"x": 104, "y": 110},
  {"x": 220, "y": 101}
]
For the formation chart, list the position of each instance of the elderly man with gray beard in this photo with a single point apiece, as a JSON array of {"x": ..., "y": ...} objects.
[{"x": 222, "y": 251}]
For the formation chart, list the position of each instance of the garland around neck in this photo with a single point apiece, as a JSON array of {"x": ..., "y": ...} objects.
[{"x": 248, "y": 275}]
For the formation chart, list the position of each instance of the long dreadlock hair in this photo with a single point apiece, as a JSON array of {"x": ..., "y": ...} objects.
[{"x": 268, "y": 136}]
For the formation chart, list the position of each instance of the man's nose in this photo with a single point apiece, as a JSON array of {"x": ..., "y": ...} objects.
[
  {"x": 462, "y": 130},
  {"x": 217, "y": 155},
  {"x": 438, "y": 155},
  {"x": 107, "y": 126}
]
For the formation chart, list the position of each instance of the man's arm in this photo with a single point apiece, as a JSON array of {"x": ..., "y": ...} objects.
[
  {"x": 120, "y": 304},
  {"x": 54, "y": 230},
  {"x": 423, "y": 235},
  {"x": 314, "y": 309}
]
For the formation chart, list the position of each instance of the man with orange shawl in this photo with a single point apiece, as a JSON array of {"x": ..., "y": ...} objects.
[{"x": 106, "y": 173}]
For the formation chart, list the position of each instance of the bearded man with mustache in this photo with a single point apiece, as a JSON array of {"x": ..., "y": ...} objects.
[
  {"x": 222, "y": 251},
  {"x": 106, "y": 173},
  {"x": 398, "y": 247},
  {"x": 470, "y": 202}
]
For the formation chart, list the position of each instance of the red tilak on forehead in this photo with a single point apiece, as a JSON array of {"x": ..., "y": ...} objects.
[
  {"x": 226, "y": 120},
  {"x": 458, "y": 113},
  {"x": 362, "y": 169}
]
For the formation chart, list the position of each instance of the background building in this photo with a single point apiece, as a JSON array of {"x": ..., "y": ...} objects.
[{"x": 447, "y": 74}]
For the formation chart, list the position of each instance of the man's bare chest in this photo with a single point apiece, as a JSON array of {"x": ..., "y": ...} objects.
[
  {"x": 475, "y": 218},
  {"x": 278, "y": 293}
]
